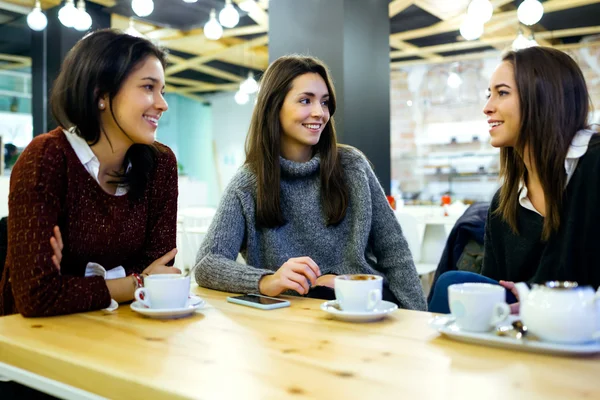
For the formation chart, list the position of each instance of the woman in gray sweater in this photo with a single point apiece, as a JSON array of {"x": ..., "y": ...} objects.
[{"x": 303, "y": 208}]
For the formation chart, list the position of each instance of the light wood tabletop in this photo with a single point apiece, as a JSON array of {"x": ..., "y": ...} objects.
[{"x": 231, "y": 351}]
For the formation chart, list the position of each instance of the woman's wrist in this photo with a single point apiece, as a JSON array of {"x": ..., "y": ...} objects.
[
  {"x": 264, "y": 284},
  {"x": 121, "y": 289}
]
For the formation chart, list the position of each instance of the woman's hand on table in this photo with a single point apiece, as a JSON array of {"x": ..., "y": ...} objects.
[
  {"x": 295, "y": 274},
  {"x": 514, "y": 308},
  {"x": 159, "y": 265},
  {"x": 123, "y": 289}
]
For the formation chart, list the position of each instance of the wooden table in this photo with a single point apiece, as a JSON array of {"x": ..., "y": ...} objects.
[{"x": 229, "y": 351}]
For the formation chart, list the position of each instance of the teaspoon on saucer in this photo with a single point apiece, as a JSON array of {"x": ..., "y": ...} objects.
[{"x": 516, "y": 330}]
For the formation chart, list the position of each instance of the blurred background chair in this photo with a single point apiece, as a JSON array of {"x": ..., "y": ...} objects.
[
  {"x": 413, "y": 235},
  {"x": 192, "y": 226},
  {"x": 464, "y": 247}
]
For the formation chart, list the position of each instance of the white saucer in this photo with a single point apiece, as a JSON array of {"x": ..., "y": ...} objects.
[
  {"x": 194, "y": 303},
  {"x": 384, "y": 308},
  {"x": 446, "y": 326}
]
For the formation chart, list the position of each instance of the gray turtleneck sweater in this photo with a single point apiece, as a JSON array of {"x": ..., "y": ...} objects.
[{"x": 368, "y": 241}]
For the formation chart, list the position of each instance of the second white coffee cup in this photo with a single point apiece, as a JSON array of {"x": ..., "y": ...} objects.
[
  {"x": 164, "y": 291},
  {"x": 477, "y": 307}
]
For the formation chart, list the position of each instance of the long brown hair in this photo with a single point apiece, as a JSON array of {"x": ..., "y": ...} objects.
[
  {"x": 264, "y": 140},
  {"x": 554, "y": 103}
]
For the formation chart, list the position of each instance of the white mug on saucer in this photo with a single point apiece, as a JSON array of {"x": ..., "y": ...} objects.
[
  {"x": 477, "y": 307},
  {"x": 358, "y": 293},
  {"x": 164, "y": 291}
]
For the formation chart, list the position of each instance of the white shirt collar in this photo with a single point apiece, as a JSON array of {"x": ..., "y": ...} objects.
[
  {"x": 88, "y": 158},
  {"x": 82, "y": 149},
  {"x": 577, "y": 149}
]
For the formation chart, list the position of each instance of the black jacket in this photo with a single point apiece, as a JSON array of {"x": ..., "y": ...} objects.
[
  {"x": 470, "y": 226},
  {"x": 572, "y": 253}
]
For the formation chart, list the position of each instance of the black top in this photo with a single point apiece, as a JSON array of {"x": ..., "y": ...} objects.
[{"x": 572, "y": 253}]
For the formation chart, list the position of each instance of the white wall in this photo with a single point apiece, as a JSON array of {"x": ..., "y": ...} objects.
[
  {"x": 4, "y": 189},
  {"x": 230, "y": 122},
  {"x": 16, "y": 128}
]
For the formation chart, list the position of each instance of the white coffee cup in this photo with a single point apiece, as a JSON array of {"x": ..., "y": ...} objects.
[
  {"x": 358, "y": 293},
  {"x": 163, "y": 291},
  {"x": 477, "y": 307}
]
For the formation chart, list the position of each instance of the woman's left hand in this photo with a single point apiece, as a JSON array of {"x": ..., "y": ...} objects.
[
  {"x": 159, "y": 265},
  {"x": 57, "y": 246},
  {"x": 514, "y": 308},
  {"x": 326, "y": 280}
]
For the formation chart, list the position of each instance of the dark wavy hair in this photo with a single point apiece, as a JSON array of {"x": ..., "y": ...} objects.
[
  {"x": 95, "y": 67},
  {"x": 555, "y": 104},
  {"x": 263, "y": 143}
]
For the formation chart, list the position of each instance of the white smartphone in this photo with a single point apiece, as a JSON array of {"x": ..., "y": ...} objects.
[{"x": 258, "y": 301}]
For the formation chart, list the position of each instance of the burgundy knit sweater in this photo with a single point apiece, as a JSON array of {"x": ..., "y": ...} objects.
[{"x": 49, "y": 186}]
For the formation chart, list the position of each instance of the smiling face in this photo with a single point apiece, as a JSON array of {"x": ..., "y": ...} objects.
[
  {"x": 138, "y": 105},
  {"x": 503, "y": 107},
  {"x": 303, "y": 115}
]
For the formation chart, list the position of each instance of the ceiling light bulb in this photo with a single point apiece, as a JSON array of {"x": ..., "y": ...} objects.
[
  {"x": 132, "y": 31},
  {"x": 142, "y": 8},
  {"x": 84, "y": 20},
  {"x": 213, "y": 30},
  {"x": 521, "y": 42},
  {"x": 68, "y": 14},
  {"x": 229, "y": 17},
  {"x": 454, "y": 81},
  {"x": 471, "y": 29},
  {"x": 530, "y": 12},
  {"x": 246, "y": 5},
  {"x": 249, "y": 85},
  {"x": 36, "y": 18},
  {"x": 481, "y": 10},
  {"x": 190, "y": 1},
  {"x": 241, "y": 97}
]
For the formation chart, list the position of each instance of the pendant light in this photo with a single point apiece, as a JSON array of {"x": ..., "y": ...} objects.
[
  {"x": 84, "y": 20},
  {"x": 36, "y": 19},
  {"x": 229, "y": 17},
  {"x": 213, "y": 30}
]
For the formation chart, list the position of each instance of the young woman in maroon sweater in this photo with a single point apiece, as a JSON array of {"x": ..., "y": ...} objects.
[{"x": 97, "y": 193}]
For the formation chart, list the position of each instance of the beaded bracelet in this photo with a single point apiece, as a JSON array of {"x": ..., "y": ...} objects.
[{"x": 139, "y": 282}]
